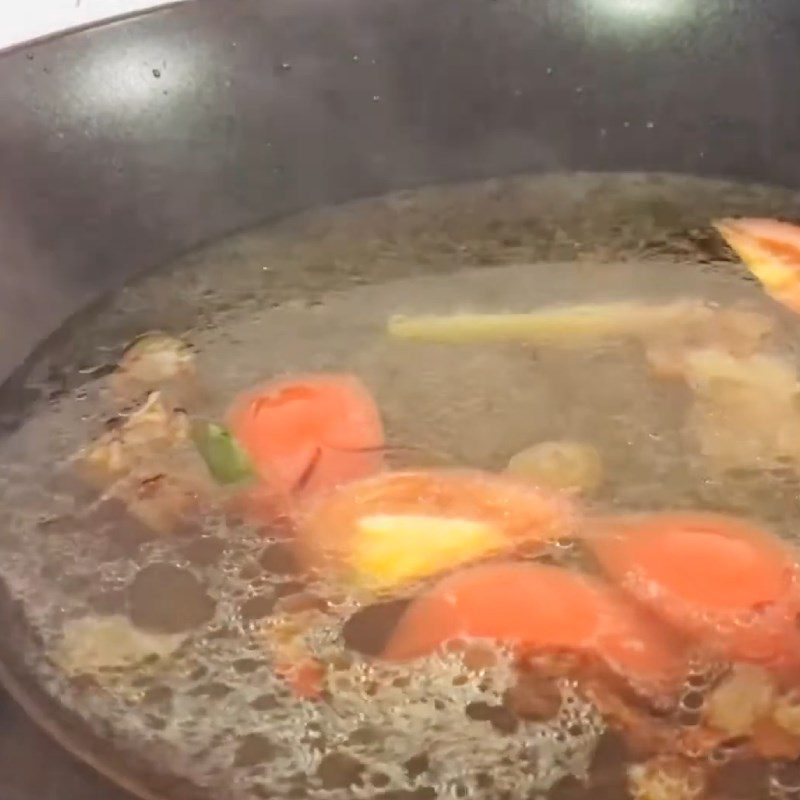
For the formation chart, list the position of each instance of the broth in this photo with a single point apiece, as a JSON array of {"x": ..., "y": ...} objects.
[{"x": 313, "y": 294}]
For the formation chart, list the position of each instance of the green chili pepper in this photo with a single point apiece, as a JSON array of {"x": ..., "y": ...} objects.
[{"x": 225, "y": 458}]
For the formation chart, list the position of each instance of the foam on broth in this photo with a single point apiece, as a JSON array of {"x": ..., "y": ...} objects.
[{"x": 314, "y": 294}]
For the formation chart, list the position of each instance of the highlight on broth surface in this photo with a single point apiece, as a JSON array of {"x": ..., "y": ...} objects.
[
  {"x": 252, "y": 589},
  {"x": 146, "y": 461}
]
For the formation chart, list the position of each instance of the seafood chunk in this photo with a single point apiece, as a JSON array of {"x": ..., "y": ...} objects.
[
  {"x": 156, "y": 362},
  {"x": 134, "y": 441},
  {"x": 147, "y": 461}
]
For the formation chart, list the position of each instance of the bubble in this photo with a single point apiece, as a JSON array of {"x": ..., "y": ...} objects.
[
  {"x": 255, "y": 749},
  {"x": 168, "y": 599}
]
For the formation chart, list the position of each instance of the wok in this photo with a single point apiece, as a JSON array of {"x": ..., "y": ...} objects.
[{"x": 126, "y": 145}]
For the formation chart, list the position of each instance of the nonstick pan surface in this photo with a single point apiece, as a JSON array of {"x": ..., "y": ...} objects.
[{"x": 127, "y": 145}]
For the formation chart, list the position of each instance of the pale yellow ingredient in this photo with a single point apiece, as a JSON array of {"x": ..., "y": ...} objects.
[
  {"x": 97, "y": 643},
  {"x": 667, "y": 778},
  {"x": 668, "y": 331},
  {"x": 393, "y": 549},
  {"x": 744, "y": 697},
  {"x": 570, "y": 325},
  {"x": 564, "y": 465}
]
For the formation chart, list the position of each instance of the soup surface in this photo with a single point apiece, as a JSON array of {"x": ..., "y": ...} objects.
[{"x": 538, "y": 606}]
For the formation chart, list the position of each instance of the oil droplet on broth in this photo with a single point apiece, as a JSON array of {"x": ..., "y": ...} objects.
[{"x": 383, "y": 727}]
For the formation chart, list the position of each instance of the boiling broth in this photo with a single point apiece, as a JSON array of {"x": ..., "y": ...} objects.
[{"x": 313, "y": 294}]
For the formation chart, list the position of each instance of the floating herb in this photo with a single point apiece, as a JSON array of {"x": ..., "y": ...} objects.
[{"x": 225, "y": 458}]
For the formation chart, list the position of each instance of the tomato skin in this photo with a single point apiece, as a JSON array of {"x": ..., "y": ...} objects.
[
  {"x": 724, "y": 581},
  {"x": 309, "y": 434},
  {"x": 538, "y": 608},
  {"x": 331, "y": 532},
  {"x": 771, "y": 251}
]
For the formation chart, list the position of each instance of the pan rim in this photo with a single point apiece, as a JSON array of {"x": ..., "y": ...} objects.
[{"x": 47, "y": 38}]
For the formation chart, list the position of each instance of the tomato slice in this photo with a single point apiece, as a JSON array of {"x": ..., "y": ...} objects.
[
  {"x": 309, "y": 434},
  {"x": 719, "y": 578},
  {"x": 399, "y": 526},
  {"x": 771, "y": 251},
  {"x": 539, "y": 608}
]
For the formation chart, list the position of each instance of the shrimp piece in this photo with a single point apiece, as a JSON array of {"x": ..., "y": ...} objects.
[
  {"x": 720, "y": 579},
  {"x": 146, "y": 461},
  {"x": 538, "y": 608},
  {"x": 394, "y": 528},
  {"x": 140, "y": 440}
]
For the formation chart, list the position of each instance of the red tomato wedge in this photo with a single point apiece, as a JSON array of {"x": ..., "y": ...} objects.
[
  {"x": 721, "y": 579},
  {"x": 771, "y": 251},
  {"x": 538, "y": 608},
  {"x": 404, "y": 525},
  {"x": 311, "y": 433}
]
